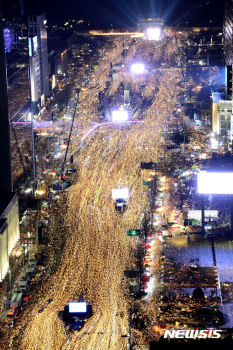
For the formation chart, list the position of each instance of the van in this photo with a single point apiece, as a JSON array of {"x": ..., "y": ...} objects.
[{"x": 23, "y": 286}]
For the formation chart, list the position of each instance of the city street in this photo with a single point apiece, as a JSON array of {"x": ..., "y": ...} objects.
[{"x": 89, "y": 259}]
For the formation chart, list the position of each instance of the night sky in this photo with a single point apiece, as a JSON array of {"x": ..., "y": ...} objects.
[{"x": 123, "y": 13}]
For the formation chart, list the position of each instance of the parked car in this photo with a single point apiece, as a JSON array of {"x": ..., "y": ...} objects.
[{"x": 176, "y": 229}]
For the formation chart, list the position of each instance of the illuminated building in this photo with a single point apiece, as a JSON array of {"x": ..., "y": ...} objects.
[
  {"x": 8, "y": 39},
  {"x": 227, "y": 30},
  {"x": 228, "y": 36},
  {"x": 5, "y": 152},
  {"x": 221, "y": 117},
  {"x": 35, "y": 74},
  {"x": 60, "y": 45},
  {"x": 9, "y": 213},
  {"x": 38, "y": 58},
  {"x": 9, "y": 228}
]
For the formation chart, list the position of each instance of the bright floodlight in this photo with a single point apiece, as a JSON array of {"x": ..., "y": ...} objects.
[
  {"x": 78, "y": 307},
  {"x": 153, "y": 33},
  {"x": 137, "y": 68},
  {"x": 120, "y": 193},
  {"x": 119, "y": 115},
  {"x": 215, "y": 183}
]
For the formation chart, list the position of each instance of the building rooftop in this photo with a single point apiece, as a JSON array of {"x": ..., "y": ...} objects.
[
  {"x": 217, "y": 96},
  {"x": 5, "y": 199}
]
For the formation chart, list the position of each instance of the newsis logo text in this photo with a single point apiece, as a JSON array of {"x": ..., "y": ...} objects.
[{"x": 192, "y": 334}]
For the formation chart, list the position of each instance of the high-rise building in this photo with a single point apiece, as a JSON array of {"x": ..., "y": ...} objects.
[
  {"x": 13, "y": 10},
  {"x": 228, "y": 42},
  {"x": 9, "y": 213},
  {"x": 5, "y": 153},
  {"x": 38, "y": 60}
]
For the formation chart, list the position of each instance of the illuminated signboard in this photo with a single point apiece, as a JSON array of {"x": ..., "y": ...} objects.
[
  {"x": 32, "y": 46},
  {"x": 78, "y": 307},
  {"x": 215, "y": 183},
  {"x": 120, "y": 115},
  {"x": 120, "y": 193},
  {"x": 196, "y": 214}
]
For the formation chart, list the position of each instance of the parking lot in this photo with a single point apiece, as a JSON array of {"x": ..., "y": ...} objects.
[{"x": 199, "y": 253}]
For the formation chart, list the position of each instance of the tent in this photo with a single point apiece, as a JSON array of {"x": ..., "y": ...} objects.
[{"x": 145, "y": 279}]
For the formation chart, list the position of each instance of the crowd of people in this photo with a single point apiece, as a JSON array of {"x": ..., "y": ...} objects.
[{"x": 96, "y": 249}]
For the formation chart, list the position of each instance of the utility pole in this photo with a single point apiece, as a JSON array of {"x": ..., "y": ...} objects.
[
  {"x": 33, "y": 158},
  {"x": 145, "y": 228},
  {"x": 129, "y": 345},
  {"x": 202, "y": 213}
]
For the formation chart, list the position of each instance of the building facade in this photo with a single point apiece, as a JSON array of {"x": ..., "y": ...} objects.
[
  {"x": 9, "y": 228},
  {"x": 228, "y": 31},
  {"x": 38, "y": 53},
  {"x": 228, "y": 43},
  {"x": 222, "y": 121}
]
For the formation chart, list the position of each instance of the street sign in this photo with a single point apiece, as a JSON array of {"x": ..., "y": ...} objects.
[
  {"x": 149, "y": 165},
  {"x": 147, "y": 183},
  {"x": 133, "y": 232},
  {"x": 165, "y": 135}
]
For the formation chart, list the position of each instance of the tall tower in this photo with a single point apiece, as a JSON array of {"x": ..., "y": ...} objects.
[
  {"x": 228, "y": 42},
  {"x": 5, "y": 153},
  {"x": 38, "y": 50}
]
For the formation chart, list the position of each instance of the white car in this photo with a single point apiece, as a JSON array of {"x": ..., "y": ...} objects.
[
  {"x": 176, "y": 229},
  {"x": 163, "y": 233}
]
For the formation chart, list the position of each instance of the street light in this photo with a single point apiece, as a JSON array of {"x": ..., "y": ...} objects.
[
  {"x": 111, "y": 27},
  {"x": 210, "y": 22}
]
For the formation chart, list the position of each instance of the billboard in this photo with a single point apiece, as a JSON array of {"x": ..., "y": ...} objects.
[
  {"x": 196, "y": 214},
  {"x": 120, "y": 193},
  {"x": 215, "y": 183},
  {"x": 32, "y": 46},
  {"x": 78, "y": 307},
  {"x": 120, "y": 115}
]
